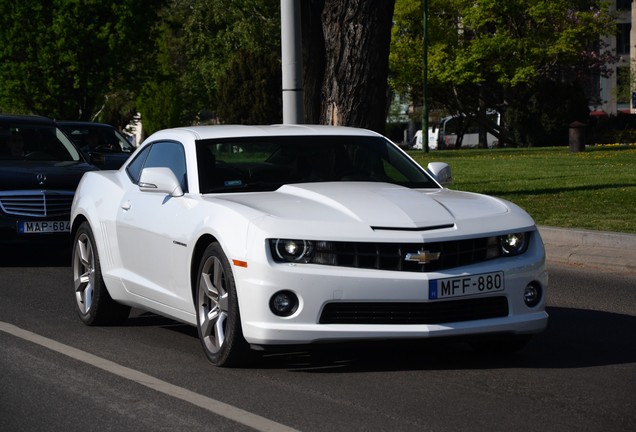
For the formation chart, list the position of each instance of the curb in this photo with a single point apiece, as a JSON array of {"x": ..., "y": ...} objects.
[{"x": 586, "y": 248}]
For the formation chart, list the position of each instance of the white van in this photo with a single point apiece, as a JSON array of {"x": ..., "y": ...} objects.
[{"x": 444, "y": 134}]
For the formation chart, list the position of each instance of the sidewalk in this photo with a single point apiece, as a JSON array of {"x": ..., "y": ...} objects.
[{"x": 594, "y": 249}]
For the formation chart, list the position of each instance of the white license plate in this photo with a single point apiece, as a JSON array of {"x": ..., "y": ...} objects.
[
  {"x": 465, "y": 285},
  {"x": 44, "y": 227}
]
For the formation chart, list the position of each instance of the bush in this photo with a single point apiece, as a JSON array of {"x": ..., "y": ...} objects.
[
  {"x": 612, "y": 129},
  {"x": 541, "y": 116}
]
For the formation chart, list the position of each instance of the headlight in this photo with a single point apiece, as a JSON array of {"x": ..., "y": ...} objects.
[
  {"x": 289, "y": 250},
  {"x": 514, "y": 243},
  {"x": 507, "y": 245}
]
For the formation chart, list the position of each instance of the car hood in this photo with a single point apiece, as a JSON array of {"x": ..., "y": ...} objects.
[
  {"x": 383, "y": 205},
  {"x": 42, "y": 175}
]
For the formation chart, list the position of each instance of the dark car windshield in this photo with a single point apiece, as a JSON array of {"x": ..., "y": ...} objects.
[
  {"x": 266, "y": 163},
  {"x": 97, "y": 138},
  {"x": 23, "y": 141}
]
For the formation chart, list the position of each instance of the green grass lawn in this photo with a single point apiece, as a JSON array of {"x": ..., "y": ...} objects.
[{"x": 595, "y": 189}]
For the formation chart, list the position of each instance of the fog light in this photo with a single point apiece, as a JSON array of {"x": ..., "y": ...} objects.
[
  {"x": 532, "y": 294},
  {"x": 283, "y": 303}
]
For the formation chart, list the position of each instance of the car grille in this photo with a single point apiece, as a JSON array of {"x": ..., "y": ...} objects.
[
  {"x": 391, "y": 256},
  {"x": 415, "y": 313},
  {"x": 36, "y": 203}
]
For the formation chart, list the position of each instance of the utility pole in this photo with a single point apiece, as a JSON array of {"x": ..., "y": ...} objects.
[
  {"x": 291, "y": 56},
  {"x": 425, "y": 79}
]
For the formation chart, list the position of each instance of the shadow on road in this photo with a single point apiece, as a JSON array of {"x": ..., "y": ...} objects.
[
  {"x": 35, "y": 257},
  {"x": 575, "y": 338}
]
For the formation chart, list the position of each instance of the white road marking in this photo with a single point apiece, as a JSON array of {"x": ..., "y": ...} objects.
[{"x": 214, "y": 406}]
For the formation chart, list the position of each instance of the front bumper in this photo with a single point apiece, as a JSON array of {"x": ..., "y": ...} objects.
[{"x": 317, "y": 286}]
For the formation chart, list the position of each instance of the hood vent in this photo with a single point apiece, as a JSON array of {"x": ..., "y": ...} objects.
[{"x": 430, "y": 228}]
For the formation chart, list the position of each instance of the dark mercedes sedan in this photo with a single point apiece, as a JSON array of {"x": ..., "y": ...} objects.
[{"x": 40, "y": 169}]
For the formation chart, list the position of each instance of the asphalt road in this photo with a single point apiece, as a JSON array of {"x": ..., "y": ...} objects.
[{"x": 150, "y": 375}]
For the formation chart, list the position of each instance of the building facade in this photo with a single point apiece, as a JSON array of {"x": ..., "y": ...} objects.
[{"x": 613, "y": 95}]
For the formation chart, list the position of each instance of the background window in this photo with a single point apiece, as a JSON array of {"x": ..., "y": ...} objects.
[
  {"x": 622, "y": 38},
  {"x": 623, "y": 4}
]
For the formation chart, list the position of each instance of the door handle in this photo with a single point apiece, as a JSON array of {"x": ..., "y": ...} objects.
[{"x": 126, "y": 206}]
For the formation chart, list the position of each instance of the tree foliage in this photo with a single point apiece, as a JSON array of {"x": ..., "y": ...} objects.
[
  {"x": 249, "y": 92},
  {"x": 498, "y": 53},
  {"x": 200, "y": 46},
  {"x": 241, "y": 60},
  {"x": 193, "y": 61},
  {"x": 188, "y": 61},
  {"x": 223, "y": 57},
  {"x": 70, "y": 59},
  {"x": 232, "y": 73}
]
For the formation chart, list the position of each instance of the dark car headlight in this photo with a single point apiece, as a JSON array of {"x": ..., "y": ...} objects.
[
  {"x": 290, "y": 250},
  {"x": 514, "y": 244},
  {"x": 508, "y": 244}
]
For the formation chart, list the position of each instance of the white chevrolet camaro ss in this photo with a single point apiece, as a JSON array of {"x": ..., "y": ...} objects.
[{"x": 263, "y": 236}]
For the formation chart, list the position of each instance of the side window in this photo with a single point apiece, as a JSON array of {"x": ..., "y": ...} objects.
[
  {"x": 134, "y": 168},
  {"x": 169, "y": 154}
]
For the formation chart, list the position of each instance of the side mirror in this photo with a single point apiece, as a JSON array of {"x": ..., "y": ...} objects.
[
  {"x": 441, "y": 171},
  {"x": 97, "y": 159},
  {"x": 160, "y": 180}
]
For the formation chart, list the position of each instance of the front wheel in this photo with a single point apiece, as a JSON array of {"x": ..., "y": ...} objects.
[
  {"x": 218, "y": 317},
  {"x": 92, "y": 301}
]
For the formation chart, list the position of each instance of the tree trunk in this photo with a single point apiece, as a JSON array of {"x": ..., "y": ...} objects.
[{"x": 356, "y": 36}]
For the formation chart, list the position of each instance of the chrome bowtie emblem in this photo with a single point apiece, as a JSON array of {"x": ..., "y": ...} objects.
[
  {"x": 41, "y": 178},
  {"x": 422, "y": 256}
]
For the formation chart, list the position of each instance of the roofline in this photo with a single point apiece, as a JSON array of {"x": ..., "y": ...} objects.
[
  {"x": 231, "y": 131},
  {"x": 17, "y": 118},
  {"x": 82, "y": 123}
]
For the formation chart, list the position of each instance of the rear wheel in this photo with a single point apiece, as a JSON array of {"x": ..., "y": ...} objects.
[
  {"x": 92, "y": 301},
  {"x": 218, "y": 317}
]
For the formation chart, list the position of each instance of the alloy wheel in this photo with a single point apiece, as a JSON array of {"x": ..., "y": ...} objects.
[{"x": 213, "y": 304}]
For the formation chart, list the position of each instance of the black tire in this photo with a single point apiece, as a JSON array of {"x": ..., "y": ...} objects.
[
  {"x": 218, "y": 317},
  {"x": 92, "y": 300}
]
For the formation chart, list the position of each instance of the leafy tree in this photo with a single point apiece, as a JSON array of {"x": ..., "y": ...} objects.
[
  {"x": 223, "y": 57},
  {"x": 201, "y": 46},
  {"x": 70, "y": 58},
  {"x": 250, "y": 91},
  {"x": 499, "y": 53},
  {"x": 549, "y": 107},
  {"x": 163, "y": 98},
  {"x": 160, "y": 103}
]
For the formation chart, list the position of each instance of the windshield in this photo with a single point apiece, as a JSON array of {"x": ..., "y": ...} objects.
[
  {"x": 98, "y": 138},
  {"x": 35, "y": 142},
  {"x": 266, "y": 163}
]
